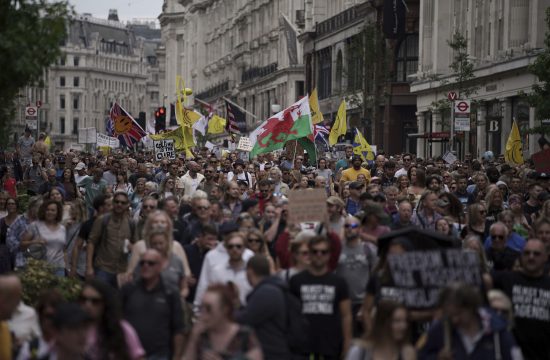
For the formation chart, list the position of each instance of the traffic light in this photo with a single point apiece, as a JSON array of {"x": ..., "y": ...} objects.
[{"x": 160, "y": 119}]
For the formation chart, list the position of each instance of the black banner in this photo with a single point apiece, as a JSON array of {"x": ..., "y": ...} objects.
[{"x": 394, "y": 18}]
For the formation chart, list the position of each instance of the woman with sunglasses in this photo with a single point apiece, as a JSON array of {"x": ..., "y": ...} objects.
[
  {"x": 299, "y": 254},
  {"x": 168, "y": 188},
  {"x": 216, "y": 335},
  {"x": 476, "y": 217},
  {"x": 256, "y": 242},
  {"x": 110, "y": 337}
]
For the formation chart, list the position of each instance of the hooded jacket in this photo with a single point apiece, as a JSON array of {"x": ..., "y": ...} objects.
[{"x": 495, "y": 340}]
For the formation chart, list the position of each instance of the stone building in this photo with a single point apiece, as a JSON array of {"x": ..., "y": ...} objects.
[
  {"x": 503, "y": 38},
  {"x": 244, "y": 50},
  {"x": 103, "y": 60}
]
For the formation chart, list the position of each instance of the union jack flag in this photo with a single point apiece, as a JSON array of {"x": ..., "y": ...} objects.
[
  {"x": 124, "y": 127},
  {"x": 320, "y": 132}
]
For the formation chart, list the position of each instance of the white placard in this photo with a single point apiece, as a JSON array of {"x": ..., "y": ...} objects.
[
  {"x": 210, "y": 145},
  {"x": 244, "y": 144},
  {"x": 449, "y": 157},
  {"x": 164, "y": 149},
  {"x": 32, "y": 124},
  {"x": 104, "y": 140},
  {"x": 87, "y": 136},
  {"x": 462, "y": 123}
]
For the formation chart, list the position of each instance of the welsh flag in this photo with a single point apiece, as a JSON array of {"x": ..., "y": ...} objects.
[{"x": 292, "y": 123}]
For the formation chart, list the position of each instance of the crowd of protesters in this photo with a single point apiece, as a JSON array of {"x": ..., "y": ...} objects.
[{"x": 198, "y": 258}]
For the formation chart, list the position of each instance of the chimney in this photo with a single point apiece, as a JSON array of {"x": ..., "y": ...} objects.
[{"x": 113, "y": 15}]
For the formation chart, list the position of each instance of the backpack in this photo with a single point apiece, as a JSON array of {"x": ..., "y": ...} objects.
[
  {"x": 103, "y": 237},
  {"x": 298, "y": 327}
]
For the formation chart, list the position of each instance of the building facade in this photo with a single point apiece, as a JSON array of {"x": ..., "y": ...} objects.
[
  {"x": 347, "y": 55},
  {"x": 503, "y": 38},
  {"x": 103, "y": 61},
  {"x": 243, "y": 50}
]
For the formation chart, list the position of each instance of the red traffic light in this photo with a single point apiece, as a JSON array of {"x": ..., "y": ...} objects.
[
  {"x": 162, "y": 110},
  {"x": 157, "y": 113}
]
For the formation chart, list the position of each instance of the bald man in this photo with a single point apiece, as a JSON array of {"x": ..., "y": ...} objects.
[
  {"x": 10, "y": 296},
  {"x": 192, "y": 179}
]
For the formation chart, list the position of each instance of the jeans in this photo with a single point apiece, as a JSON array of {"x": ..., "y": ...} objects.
[{"x": 106, "y": 277}]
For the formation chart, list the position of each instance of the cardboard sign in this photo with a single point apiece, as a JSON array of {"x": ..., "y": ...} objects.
[
  {"x": 244, "y": 144},
  {"x": 87, "y": 136},
  {"x": 418, "y": 276},
  {"x": 103, "y": 140},
  {"x": 307, "y": 205},
  {"x": 164, "y": 149},
  {"x": 449, "y": 158},
  {"x": 542, "y": 161}
]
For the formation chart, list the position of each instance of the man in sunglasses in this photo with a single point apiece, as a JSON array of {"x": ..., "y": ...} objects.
[
  {"x": 154, "y": 310},
  {"x": 529, "y": 290},
  {"x": 108, "y": 242},
  {"x": 325, "y": 303},
  {"x": 354, "y": 265}
]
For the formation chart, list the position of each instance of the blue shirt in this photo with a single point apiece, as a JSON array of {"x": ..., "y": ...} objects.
[{"x": 352, "y": 207}]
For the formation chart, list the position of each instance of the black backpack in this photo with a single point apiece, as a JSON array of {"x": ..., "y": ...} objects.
[{"x": 298, "y": 326}]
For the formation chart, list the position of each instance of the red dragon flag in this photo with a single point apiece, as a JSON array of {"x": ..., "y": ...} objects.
[
  {"x": 124, "y": 127},
  {"x": 292, "y": 123}
]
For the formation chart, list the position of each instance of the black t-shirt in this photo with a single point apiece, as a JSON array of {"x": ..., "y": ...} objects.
[
  {"x": 321, "y": 297},
  {"x": 528, "y": 210},
  {"x": 531, "y": 302},
  {"x": 86, "y": 228}
]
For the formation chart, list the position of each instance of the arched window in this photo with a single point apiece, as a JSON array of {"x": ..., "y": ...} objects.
[
  {"x": 339, "y": 73},
  {"x": 406, "y": 61}
]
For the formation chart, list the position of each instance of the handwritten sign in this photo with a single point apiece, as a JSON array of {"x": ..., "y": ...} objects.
[
  {"x": 307, "y": 205},
  {"x": 418, "y": 276},
  {"x": 244, "y": 144},
  {"x": 107, "y": 141},
  {"x": 449, "y": 157},
  {"x": 542, "y": 161},
  {"x": 87, "y": 136},
  {"x": 164, "y": 149}
]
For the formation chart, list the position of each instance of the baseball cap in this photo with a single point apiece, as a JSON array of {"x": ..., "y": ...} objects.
[
  {"x": 80, "y": 166},
  {"x": 356, "y": 185}
]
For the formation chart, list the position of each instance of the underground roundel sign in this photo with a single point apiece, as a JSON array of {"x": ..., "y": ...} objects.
[{"x": 462, "y": 107}]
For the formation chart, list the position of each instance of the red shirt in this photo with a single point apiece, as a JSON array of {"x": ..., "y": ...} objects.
[
  {"x": 10, "y": 187},
  {"x": 282, "y": 250}
]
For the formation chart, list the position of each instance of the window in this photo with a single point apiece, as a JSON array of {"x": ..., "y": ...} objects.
[
  {"x": 62, "y": 81},
  {"x": 62, "y": 125},
  {"x": 76, "y": 60},
  {"x": 76, "y": 81},
  {"x": 339, "y": 73},
  {"x": 325, "y": 73},
  {"x": 75, "y": 126},
  {"x": 76, "y": 101},
  {"x": 62, "y": 61},
  {"x": 407, "y": 58},
  {"x": 355, "y": 63},
  {"x": 62, "y": 101}
]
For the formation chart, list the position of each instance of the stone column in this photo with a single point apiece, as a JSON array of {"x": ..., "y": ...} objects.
[
  {"x": 420, "y": 142},
  {"x": 506, "y": 123},
  {"x": 481, "y": 129}
]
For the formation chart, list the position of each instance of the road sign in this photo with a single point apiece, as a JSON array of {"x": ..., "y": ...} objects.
[
  {"x": 462, "y": 107},
  {"x": 452, "y": 96},
  {"x": 31, "y": 113}
]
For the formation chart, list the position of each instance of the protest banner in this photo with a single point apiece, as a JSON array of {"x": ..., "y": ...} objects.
[
  {"x": 307, "y": 205},
  {"x": 245, "y": 144},
  {"x": 541, "y": 160},
  {"x": 418, "y": 276},
  {"x": 103, "y": 140},
  {"x": 164, "y": 149}
]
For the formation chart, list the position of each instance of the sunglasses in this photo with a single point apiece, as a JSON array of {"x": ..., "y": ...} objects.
[
  {"x": 497, "y": 236},
  {"x": 148, "y": 207},
  {"x": 319, "y": 251},
  {"x": 254, "y": 240},
  {"x": 89, "y": 299},
  {"x": 352, "y": 226},
  {"x": 148, "y": 262},
  {"x": 234, "y": 246},
  {"x": 203, "y": 207}
]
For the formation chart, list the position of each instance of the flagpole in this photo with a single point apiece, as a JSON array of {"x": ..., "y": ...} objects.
[{"x": 241, "y": 108}]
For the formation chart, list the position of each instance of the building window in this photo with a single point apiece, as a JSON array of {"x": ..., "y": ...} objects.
[
  {"x": 62, "y": 125},
  {"x": 407, "y": 58},
  {"x": 325, "y": 73},
  {"x": 76, "y": 102},
  {"x": 76, "y": 81},
  {"x": 62, "y": 81},
  {"x": 75, "y": 126},
  {"x": 355, "y": 52},
  {"x": 339, "y": 73},
  {"x": 62, "y": 61},
  {"x": 62, "y": 101},
  {"x": 76, "y": 60}
]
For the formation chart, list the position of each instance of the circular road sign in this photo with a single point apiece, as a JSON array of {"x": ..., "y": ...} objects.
[{"x": 462, "y": 106}]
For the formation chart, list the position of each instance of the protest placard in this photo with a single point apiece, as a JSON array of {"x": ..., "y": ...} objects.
[
  {"x": 541, "y": 160},
  {"x": 449, "y": 157},
  {"x": 307, "y": 205},
  {"x": 418, "y": 276},
  {"x": 164, "y": 149},
  {"x": 87, "y": 136},
  {"x": 244, "y": 144},
  {"x": 106, "y": 141}
]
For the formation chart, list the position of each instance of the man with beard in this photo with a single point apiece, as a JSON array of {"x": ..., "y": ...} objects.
[
  {"x": 238, "y": 173},
  {"x": 264, "y": 194},
  {"x": 378, "y": 169},
  {"x": 529, "y": 291},
  {"x": 192, "y": 179},
  {"x": 461, "y": 193},
  {"x": 346, "y": 162},
  {"x": 275, "y": 176},
  {"x": 195, "y": 220},
  {"x": 389, "y": 174},
  {"x": 196, "y": 252},
  {"x": 232, "y": 200},
  {"x": 210, "y": 179},
  {"x": 352, "y": 173}
]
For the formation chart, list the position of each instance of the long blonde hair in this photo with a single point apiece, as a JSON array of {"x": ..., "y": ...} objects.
[{"x": 149, "y": 229}]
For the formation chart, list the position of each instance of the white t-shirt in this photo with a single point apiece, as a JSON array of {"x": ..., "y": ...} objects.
[{"x": 242, "y": 176}]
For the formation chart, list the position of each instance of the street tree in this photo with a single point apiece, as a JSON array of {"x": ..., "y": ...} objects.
[{"x": 31, "y": 32}]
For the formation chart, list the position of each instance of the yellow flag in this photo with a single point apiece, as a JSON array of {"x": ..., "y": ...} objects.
[
  {"x": 176, "y": 135},
  {"x": 188, "y": 140},
  {"x": 514, "y": 148},
  {"x": 361, "y": 146},
  {"x": 48, "y": 141},
  {"x": 316, "y": 115},
  {"x": 216, "y": 125},
  {"x": 186, "y": 117},
  {"x": 340, "y": 126}
]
